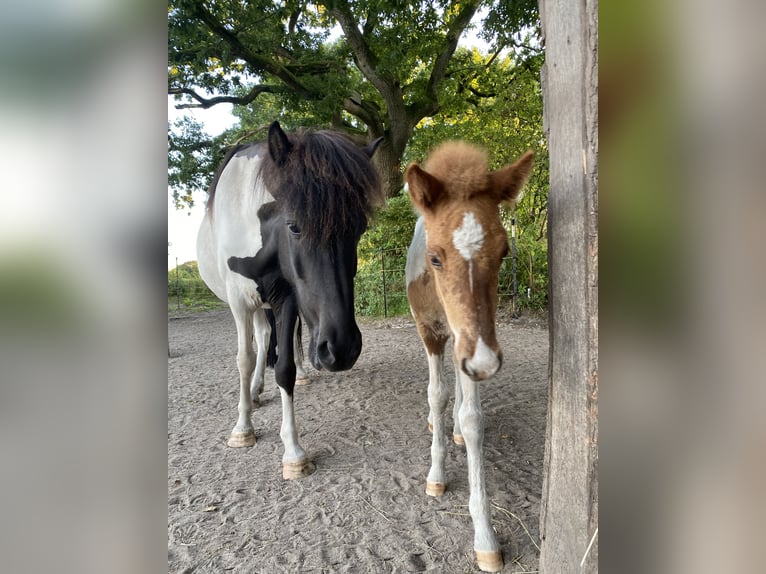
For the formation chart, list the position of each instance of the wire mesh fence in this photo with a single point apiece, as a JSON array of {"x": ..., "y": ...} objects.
[{"x": 380, "y": 288}]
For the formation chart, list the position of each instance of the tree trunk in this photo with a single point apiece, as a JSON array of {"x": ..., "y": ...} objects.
[
  {"x": 388, "y": 163},
  {"x": 569, "y": 512}
]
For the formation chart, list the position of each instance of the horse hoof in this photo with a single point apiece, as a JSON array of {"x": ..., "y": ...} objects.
[
  {"x": 430, "y": 428},
  {"x": 296, "y": 470},
  {"x": 458, "y": 438},
  {"x": 241, "y": 439},
  {"x": 435, "y": 488},
  {"x": 490, "y": 561},
  {"x": 303, "y": 381}
]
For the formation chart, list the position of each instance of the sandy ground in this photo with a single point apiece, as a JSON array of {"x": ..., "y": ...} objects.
[{"x": 364, "y": 509}]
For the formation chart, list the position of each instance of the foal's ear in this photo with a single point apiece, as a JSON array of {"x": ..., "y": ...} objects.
[
  {"x": 425, "y": 189},
  {"x": 279, "y": 145},
  {"x": 370, "y": 148},
  {"x": 508, "y": 181}
]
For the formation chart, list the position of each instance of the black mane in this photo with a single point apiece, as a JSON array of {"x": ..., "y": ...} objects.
[{"x": 326, "y": 183}]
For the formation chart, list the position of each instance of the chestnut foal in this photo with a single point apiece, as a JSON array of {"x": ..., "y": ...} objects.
[{"x": 452, "y": 274}]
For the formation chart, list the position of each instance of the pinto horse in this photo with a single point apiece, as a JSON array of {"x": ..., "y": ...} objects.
[
  {"x": 452, "y": 274},
  {"x": 280, "y": 232}
]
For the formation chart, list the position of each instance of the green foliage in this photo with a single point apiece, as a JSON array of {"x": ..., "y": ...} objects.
[
  {"x": 186, "y": 288},
  {"x": 531, "y": 272},
  {"x": 397, "y": 78},
  {"x": 192, "y": 160},
  {"x": 380, "y": 287},
  {"x": 388, "y": 70}
]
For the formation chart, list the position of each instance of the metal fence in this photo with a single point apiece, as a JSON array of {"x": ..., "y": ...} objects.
[
  {"x": 380, "y": 285},
  {"x": 381, "y": 290}
]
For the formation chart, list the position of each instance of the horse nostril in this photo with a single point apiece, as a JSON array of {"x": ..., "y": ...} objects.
[{"x": 325, "y": 354}]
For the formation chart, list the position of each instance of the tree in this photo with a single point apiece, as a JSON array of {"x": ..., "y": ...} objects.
[{"x": 380, "y": 78}]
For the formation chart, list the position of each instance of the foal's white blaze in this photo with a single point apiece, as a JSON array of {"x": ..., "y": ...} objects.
[
  {"x": 468, "y": 240},
  {"x": 484, "y": 361},
  {"x": 469, "y": 237}
]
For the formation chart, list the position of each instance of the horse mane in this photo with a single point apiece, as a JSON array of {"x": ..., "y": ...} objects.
[
  {"x": 463, "y": 166},
  {"x": 326, "y": 183}
]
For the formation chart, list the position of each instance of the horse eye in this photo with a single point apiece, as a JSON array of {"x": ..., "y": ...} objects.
[
  {"x": 435, "y": 261},
  {"x": 293, "y": 228}
]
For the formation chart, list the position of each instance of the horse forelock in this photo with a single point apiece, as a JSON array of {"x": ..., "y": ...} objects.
[
  {"x": 461, "y": 166},
  {"x": 327, "y": 184}
]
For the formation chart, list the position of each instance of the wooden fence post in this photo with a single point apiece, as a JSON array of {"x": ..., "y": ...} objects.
[{"x": 569, "y": 510}]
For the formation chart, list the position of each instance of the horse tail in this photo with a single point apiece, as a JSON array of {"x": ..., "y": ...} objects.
[{"x": 271, "y": 353}]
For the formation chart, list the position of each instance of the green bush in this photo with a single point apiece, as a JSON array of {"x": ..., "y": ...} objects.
[
  {"x": 383, "y": 254},
  {"x": 186, "y": 288}
]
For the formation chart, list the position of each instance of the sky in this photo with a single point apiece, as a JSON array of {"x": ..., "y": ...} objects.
[{"x": 183, "y": 224}]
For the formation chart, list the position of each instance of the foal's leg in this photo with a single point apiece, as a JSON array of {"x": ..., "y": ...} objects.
[
  {"x": 295, "y": 463},
  {"x": 457, "y": 435},
  {"x": 262, "y": 334},
  {"x": 488, "y": 554},
  {"x": 243, "y": 434},
  {"x": 437, "y": 403}
]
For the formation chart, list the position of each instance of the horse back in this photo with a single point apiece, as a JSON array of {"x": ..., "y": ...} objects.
[{"x": 231, "y": 226}]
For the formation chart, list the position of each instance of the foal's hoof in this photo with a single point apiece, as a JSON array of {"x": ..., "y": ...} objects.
[
  {"x": 490, "y": 561},
  {"x": 303, "y": 381},
  {"x": 295, "y": 470},
  {"x": 430, "y": 428},
  {"x": 435, "y": 488},
  {"x": 458, "y": 438},
  {"x": 241, "y": 439}
]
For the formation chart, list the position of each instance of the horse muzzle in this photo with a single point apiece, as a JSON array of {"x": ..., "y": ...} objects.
[
  {"x": 484, "y": 363},
  {"x": 336, "y": 351}
]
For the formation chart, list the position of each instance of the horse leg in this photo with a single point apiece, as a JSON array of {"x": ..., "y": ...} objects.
[
  {"x": 262, "y": 334},
  {"x": 301, "y": 376},
  {"x": 295, "y": 463},
  {"x": 437, "y": 404},
  {"x": 243, "y": 434},
  {"x": 488, "y": 554},
  {"x": 457, "y": 435}
]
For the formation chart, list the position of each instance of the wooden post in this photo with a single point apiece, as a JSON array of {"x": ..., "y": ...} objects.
[{"x": 569, "y": 510}]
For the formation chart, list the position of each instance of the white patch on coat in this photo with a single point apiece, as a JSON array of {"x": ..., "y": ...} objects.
[
  {"x": 416, "y": 254},
  {"x": 469, "y": 237}
]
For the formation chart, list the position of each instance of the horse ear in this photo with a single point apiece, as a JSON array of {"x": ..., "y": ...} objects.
[
  {"x": 279, "y": 145},
  {"x": 425, "y": 189},
  {"x": 370, "y": 148},
  {"x": 508, "y": 181}
]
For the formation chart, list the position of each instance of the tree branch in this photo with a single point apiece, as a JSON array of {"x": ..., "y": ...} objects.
[
  {"x": 455, "y": 29},
  {"x": 258, "y": 61},
  {"x": 365, "y": 112},
  {"x": 363, "y": 56},
  {"x": 206, "y": 103}
]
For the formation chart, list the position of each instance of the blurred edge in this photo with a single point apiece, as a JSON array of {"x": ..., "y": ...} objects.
[
  {"x": 82, "y": 316},
  {"x": 683, "y": 329},
  {"x": 83, "y": 336}
]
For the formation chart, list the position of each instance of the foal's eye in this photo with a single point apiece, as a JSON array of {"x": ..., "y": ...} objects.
[
  {"x": 293, "y": 228},
  {"x": 435, "y": 261}
]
